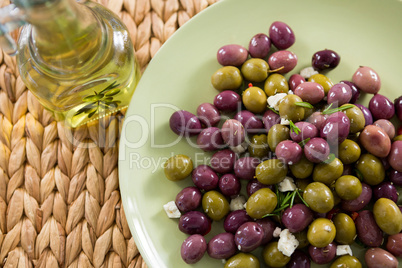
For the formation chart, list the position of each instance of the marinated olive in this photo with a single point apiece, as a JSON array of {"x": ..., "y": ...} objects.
[
  {"x": 205, "y": 178},
  {"x": 368, "y": 117},
  {"x": 324, "y": 81},
  {"x": 395, "y": 155},
  {"x": 249, "y": 236},
  {"x": 251, "y": 123},
  {"x": 245, "y": 167},
  {"x": 235, "y": 219},
  {"x": 270, "y": 119},
  {"x": 322, "y": 255},
  {"x": 215, "y": 205},
  {"x": 327, "y": 173},
  {"x": 281, "y": 35},
  {"x": 229, "y": 185},
  {"x": 193, "y": 248},
  {"x": 371, "y": 168},
  {"x": 360, "y": 202},
  {"x": 348, "y": 187},
  {"x": 221, "y": 246},
  {"x": 319, "y": 197},
  {"x": 232, "y": 55},
  {"x": 356, "y": 118},
  {"x": 299, "y": 259},
  {"x": 367, "y": 80},
  {"x": 227, "y": 77},
  {"x": 377, "y": 257},
  {"x": 387, "y": 126},
  {"x": 386, "y": 189},
  {"x": 259, "y": 46},
  {"x": 254, "y": 99},
  {"x": 289, "y": 110},
  {"x": 273, "y": 257},
  {"x": 336, "y": 128},
  {"x": 208, "y": 114},
  {"x": 394, "y": 244},
  {"x": 302, "y": 169},
  {"x": 255, "y": 70},
  {"x": 289, "y": 152},
  {"x": 295, "y": 80},
  {"x": 233, "y": 133},
  {"x": 276, "y": 134},
  {"x": 310, "y": 92},
  {"x": 271, "y": 171},
  {"x": 258, "y": 146},
  {"x": 178, "y": 167},
  {"x": 381, "y": 107},
  {"x": 276, "y": 83},
  {"x": 388, "y": 216},
  {"x": 302, "y": 238},
  {"x": 282, "y": 61},
  {"x": 210, "y": 139},
  {"x": 345, "y": 228},
  {"x": 316, "y": 150},
  {"x": 398, "y": 107},
  {"x": 184, "y": 123},
  {"x": 307, "y": 131},
  {"x": 188, "y": 199},
  {"x": 367, "y": 229},
  {"x": 297, "y": 218},
  {"x": 261, "y": 203},
  {"x": 223, "y": 161},
  {"x": 355, "y": 91},
  {"x": 339, "y": 94},
  {"x": 349, "y": 152},
  {"x": 346, "y": 261},
  {"x": 325, "y": 59},
  {"x": 227, "y": 101},
  {"x": 242, "y": 260},
  {"x": 321, "y": 232},
  {"x": 268, "y": 226}
]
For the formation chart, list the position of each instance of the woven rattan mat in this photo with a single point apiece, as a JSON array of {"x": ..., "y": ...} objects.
[{"x": 60, "y": 203}]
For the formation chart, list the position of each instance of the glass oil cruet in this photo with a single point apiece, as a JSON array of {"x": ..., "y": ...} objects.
[{"x": 76, "y": 57}]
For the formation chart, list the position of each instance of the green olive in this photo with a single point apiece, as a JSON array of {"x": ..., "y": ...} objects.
[
  {"x": 321, "y": 232},
  {"x": 243, "y": 260},
  {"x": 276, "y": 83},
  {"x": 178, "y": 167},
  {"x": 319, "y": 197},
  {"x": 302, "y": 238},
  {"x": 349, "y": 151},
  {"x": 254, "y": 99},
  {"x": 258, "y": 146},
  {"x": 302, "y": 169},
  {"x": 289, "y": 110},
  {"x": 356, "y": 118},
  {"x": 327, "y": 173},
  {"x": 227, "y": 78},
  {"x": 308, "y": 112},
  {"x": 271, "y": 171},
  {"x": 345, "y": 228},
  {"x": 261, "y": 203},
  {"x": 348, "y": 187},
  {"x": 346, "y": 261},
  {"x": 337, "y": 199},
  {"x": 273, "y": 257},
  {"x": 276, "y": 134},
  {"x": 215, "y": 205},
  {"x": 324, "y": 81},
  {"x": 371, "y": 168},
  {"x": 302, "y": 184},
  {"x": 388, "y": 216},
  {"x": 255, "y": 70}
]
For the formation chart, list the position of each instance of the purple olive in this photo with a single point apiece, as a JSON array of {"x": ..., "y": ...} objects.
[
  {"x": 268, "y": 226},
  {"x": 360, "y": 202},
  {"x": 395, "y": 177},
  {"x": 281, "y": 35},
  {"x": 223, "y": 161},
  {"x": 367, "y": 80},
  {"x": 229, "y": 185},
  {"x": 184, "y": 123},
  {"x": 378, "y": 257},
  {"x": 336, "y": 128},
  {"x": 227, "y": 101},
  {"x": 259, "y": 46},
  {"x": 235, "y": 219},
  {"x": 339, "y": 94},
  {"x": 232, "y": 55},
  {"x": 307, "y": 131},
  {"x": 368, "y": 117},
  {"x": 249, "y": 236},
  {"x": 194, "y": 222},
  {"x": 317, "y": 119},
  {"x": 394, "y": 244},
  {"x": 254, "y": 185},
  {"x": 367, "y": 229},
  {"x": 295, "y": 80},
  {"x": 316, "y": 150},
  {"x": 193, "y": 248},
  {"x": 222, "y": 246},
  {"x": 208, "y": 114},
  {"x": 188, "y": 199},
  {"x": 289, "y": 152},
  {"x": 210, "y": 139},
  {"x": 386, "y": 190},
  {"x": 387, "y": 126},
  {"x": 297, "y": 218},
  {"x": 205, "y": 178},
  {"x": 269, "y": 119},
  {"x": 395, "y": 156},
  {"x": 299, "y": 259},
  {"x": 250, "y": 121},
  {"x": 322, "y": 255},
  {"x": 310, "y": 92},
  {"x": 381, "y": 107},
  {"x": 355, "y": 91},
  {"x": 282, "y": 61},
  {"x": 325, "y": 59},
  {"x": 245, "y": 167},
  {"x": 398, "y": 107},
  {"x": 233, "y": 132}
]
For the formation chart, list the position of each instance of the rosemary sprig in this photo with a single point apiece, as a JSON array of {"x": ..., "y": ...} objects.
[
  {"x": 328, "y": 110},
  {"x": 304, "y": 104},
  {"x": 285, "y": 201},
  {"x": 294, "y": 128},
  {"x": 303, "y": 142},
  {"x": 272, "y": 109}
]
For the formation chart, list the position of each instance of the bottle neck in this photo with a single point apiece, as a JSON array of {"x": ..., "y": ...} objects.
[{"x": 66, "y": 35}]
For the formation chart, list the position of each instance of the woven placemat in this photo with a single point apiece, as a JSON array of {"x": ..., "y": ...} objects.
[{"x": 60, "y": 203}]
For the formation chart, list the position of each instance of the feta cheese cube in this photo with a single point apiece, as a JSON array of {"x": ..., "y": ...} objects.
[
  {"x": 237, "y": 203},
  {"x": 343, "y": 250},
  {"x": 239, "y": 149},
  {"x": 285, "y": 121},
  {"x": 287, "y": 185},
  {"x": 307, "y": 72},
  {"x": 273, "y": 101},
  {"x": 277, "y": 232},
  {"x": 287, "y": 243},
  {"x": 171, "y": 210}
]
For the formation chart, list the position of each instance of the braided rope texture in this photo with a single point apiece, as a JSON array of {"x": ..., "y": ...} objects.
[{"x": 60, "y": 203}]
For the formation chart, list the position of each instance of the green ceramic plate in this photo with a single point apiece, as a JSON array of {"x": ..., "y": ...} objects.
[{"x": 363, "y": 32}]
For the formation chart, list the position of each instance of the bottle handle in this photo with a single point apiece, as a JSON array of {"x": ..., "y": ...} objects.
[{"x": 11, "y": 18}]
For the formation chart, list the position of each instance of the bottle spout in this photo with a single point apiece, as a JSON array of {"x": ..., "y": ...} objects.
[{"x": 11, "y": 18}]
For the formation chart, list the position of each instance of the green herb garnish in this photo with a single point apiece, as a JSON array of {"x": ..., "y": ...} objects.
[
  {"x": 304, "y": 104},
  {"x": 272, "y": 109},
  {"x": 303, "y": 142},
  {"x": 294, "y": 128},
  {"x": 285, "y": 201},
  {"x": 328, "y": 110},
  {"x": 331, "y": 158}
]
